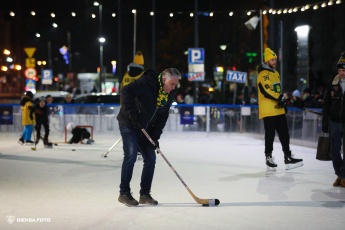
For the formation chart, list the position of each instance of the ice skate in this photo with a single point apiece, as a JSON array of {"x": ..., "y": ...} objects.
[
  {"x": 47, "y": 144},
  {"x": 29, "y": 142},
  {"x": 291, "y": 163},
  {"x": 21, "y": 141},
  {"x": 271, "y": 165}
]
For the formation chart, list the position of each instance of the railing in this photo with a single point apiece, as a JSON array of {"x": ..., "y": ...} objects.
[{"x": 304, "y": 127}]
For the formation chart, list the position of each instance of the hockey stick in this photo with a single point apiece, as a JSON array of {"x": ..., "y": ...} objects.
[
  {"x": 105, "y": 154},
  {"x": 34, "y": 148},
  {"x": 54, "y": 143},
  {"x": 204, "y": 202},
  {"x": 309, "y": 111}
]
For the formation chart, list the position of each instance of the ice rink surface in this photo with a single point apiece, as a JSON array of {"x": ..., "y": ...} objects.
[{"x": 63, "y": 189}]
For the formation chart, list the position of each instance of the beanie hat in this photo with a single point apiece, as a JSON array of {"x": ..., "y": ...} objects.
[
  {"x": 138, "y": 58},
  {"x": 29, "y": 94},
  {"x": 341, "y": 62},
  {"x": 296, "y": 93},
  {"x": 269, "y": 54}
]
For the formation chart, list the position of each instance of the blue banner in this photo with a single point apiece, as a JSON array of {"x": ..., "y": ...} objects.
[
  {"x": 186, "y": 115},
  {"x": 6, "y": 115}
]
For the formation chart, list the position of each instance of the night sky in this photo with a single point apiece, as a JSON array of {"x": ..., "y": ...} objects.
[{"x": 172, "y": 35}]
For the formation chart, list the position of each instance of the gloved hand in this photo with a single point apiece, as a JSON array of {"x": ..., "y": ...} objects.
[
  {"x": 281, "y": 101},
  {"x": 325, "y": 125},
  {"x": 135, "y": 121},
  {"x": 156, "y": 144}
]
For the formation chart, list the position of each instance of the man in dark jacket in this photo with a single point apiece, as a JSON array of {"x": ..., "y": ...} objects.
[
  {"x": 333, "y": 120},
  {"x": 146, "y": 104}
]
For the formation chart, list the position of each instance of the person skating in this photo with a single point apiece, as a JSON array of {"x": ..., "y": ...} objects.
[
  {"x": 272, "y": 109},
  {"x": 28, "y": 119},
  {"x": 146, "y": 105},
  {"x": 333, "y": 120},
  {"x": 41, "y": 112}
]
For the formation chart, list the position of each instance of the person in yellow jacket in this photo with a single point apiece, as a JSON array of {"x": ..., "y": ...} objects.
[
  {"x": 134, "y": 69},
  {"x": 272, "y": 109},
  {"x": 28, "y": 118}
]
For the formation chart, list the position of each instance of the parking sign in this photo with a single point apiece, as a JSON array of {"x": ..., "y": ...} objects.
[
  {"x": 47, "y": 77},
  {"x": 196, "y": 55}
]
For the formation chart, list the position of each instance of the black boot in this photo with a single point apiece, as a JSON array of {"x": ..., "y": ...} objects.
[
  {"x": 291, "y": 162},
  {"x": 21, "y": 140},
  {"x": 47, "y": 144},
  {"x": 271, "y": 165}
]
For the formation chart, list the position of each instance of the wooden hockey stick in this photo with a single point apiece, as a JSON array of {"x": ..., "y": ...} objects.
[
  {"x": 204, "y": 202},
  {"x": 105, "y": 154}
]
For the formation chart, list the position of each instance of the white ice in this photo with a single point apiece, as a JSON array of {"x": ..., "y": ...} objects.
[{"x": 68, "y": 189}]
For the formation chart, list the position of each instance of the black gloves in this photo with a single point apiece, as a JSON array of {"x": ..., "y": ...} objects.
[
  {"x": 135, "y": 121},
  {"x": 281, "y": 101},
  {"x": 156, "y": 144},
  {"x": 325, "y": 125}
]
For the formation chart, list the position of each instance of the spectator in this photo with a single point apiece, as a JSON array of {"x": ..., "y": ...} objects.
[
  {"x": 307, "y": 99},
  {"x": 333, "y": 121},
  {"x": 69, "y": 109},
  {"x": 249, "y": 92}
]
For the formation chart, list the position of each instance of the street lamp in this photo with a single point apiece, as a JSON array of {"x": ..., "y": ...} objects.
[
  {"x": 134, "y": 11},
  {"x": 101, "y": 75},
  {"x": 101, "y": 41},
  {"x": 223, "y": 48},
  {"x": 303, "y": 55}
]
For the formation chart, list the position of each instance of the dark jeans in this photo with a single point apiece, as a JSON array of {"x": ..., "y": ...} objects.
[
  {"x": 38, "y": 131},
  {"x": 133, "y": 139},
  {"x": 336, "y": 133},
  {"x": 279, "y": 124}
]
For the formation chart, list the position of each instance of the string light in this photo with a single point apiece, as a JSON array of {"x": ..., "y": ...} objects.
[{"x": 294, "y": 9}]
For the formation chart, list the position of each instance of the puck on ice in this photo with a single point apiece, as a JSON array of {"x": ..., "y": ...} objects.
[{"x": 73, "y": 149}]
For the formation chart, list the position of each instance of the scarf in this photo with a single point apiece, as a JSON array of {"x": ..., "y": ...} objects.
[{"x": 162, "y": 96}]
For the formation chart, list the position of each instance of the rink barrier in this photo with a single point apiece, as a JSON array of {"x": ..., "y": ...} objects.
[{"x": 304, "y": 127}]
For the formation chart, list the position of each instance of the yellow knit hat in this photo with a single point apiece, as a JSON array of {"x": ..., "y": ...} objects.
[
  {"x": 269, "y": 54},
  {"x": 341, "y": 62},
  {"x": 138, "y": 58}
]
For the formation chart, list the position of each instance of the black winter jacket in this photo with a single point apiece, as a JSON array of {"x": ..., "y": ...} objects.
[
  {"x": 334, "y": 104},
  {"x": 140, "y": 99},
  {"x": 42, "y": 114}
]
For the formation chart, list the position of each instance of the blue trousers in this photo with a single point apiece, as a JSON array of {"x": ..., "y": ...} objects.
[
  {"x": 336, "y": 133},
  {"x": 133, "y": 140},
  {"x": 27, "y": 132}
]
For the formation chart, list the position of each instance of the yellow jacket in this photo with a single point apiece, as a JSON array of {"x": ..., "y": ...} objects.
[
  {"x": 129, "y": 79},
  {"x": 269, "y": 90},
  {"x": 26, "y": 109}
]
